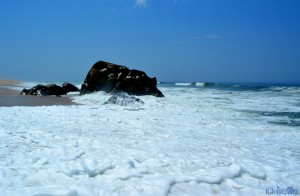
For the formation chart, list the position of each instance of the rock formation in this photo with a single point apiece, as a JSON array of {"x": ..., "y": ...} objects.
[
  {"x": 123, "y": 99},
  {"x": 112, "y": 78},
  {"x": 69, "y": 87},
  {"x": 45, "y": 90}
]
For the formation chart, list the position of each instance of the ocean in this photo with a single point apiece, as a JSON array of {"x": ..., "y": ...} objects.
[{"x": 200, "y": 139}]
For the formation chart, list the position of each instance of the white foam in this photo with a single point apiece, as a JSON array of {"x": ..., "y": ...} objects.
[
  {"x": 183, "y": 84},
  {"x": 200, "y": 84},
  {"x": 195, "y": 141}
]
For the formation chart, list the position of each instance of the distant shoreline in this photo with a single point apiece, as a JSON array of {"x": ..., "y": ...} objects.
[
  {"x": 5, "y": 86},
  {"x": 10, "y": 97},
  {"x": 8, "y": 82}
]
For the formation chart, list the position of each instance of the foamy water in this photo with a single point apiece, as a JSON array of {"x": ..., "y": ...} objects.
[{"x": 195, "y": 141}]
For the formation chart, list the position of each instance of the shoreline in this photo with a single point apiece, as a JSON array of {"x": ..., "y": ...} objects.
[
  {"x": 10, "y": 97},
  {"x": 8, "y": 82},
  {"x": 29, "y": 100},
  {"x": 5, "y": 87}
]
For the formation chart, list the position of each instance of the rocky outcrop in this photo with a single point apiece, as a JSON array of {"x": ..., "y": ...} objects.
[
  {"x": 45, "y": 90},
  {"x": 123, "y": 99},
  {"x": 69, "y": 87},
  {"x": 112, "y": 78}
]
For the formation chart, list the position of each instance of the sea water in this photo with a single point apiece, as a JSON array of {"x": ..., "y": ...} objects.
[{"x": 200, "y": 139}]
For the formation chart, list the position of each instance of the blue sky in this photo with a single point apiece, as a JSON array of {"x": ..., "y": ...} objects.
[{"x": 174, "y": 40}]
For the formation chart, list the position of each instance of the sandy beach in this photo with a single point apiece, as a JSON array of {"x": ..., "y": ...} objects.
[
  {"x": 10, "y": 97},
  {"x": 8, "y": 82},
  {"x": 5, "y": 86}
]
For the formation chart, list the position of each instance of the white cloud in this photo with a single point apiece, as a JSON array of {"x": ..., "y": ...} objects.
[{"x": 140, "y": 3}]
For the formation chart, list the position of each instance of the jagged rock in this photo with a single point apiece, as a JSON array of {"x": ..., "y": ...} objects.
[
  {"x": 53, "y": 89},
  {"x": 123, "y": 99},
  {"x": 112, "y": 78},
  {"x": 25, "y": 91},
  {"x": 34, "y": 90},
  {"x": 69, "y": 87},
  {"x": 50, "y": 89}
]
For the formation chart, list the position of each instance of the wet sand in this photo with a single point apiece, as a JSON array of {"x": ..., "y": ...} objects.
[
  {"x": 10, "y": 97},
  {"x": 28, "y": 100}
]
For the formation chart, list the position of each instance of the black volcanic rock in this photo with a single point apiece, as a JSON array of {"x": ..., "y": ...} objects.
[
  {"x": 112, "y": 78},
  {"x": 53, "y": 89},
  {"x": 36, "y": 90},
  {"x": 69, "y": 87},
  {"x": 50, "y": 89}
]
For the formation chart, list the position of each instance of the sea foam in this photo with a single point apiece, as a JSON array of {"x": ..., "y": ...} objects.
[{"x": 195, "y": 141}]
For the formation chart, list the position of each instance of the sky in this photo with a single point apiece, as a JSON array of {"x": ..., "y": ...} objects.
[{"x": 173, "y": 40}]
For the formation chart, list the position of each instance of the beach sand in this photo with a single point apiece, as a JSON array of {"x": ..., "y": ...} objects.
[
  {"x": 8, "y": 82},
  {"x": 10, "y": 97},
  {"x": 5, "y": 87}
]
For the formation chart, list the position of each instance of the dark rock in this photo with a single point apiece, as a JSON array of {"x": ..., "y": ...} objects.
[
  {"x": 69, "y": 87},
  {"x": 123, "y": 99},
  {"x": 36, "y": 90},
  {"x": 25, "y": 92},
  {"x": 51, "y": 89},
  {"x": 112, "y": 78}
]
